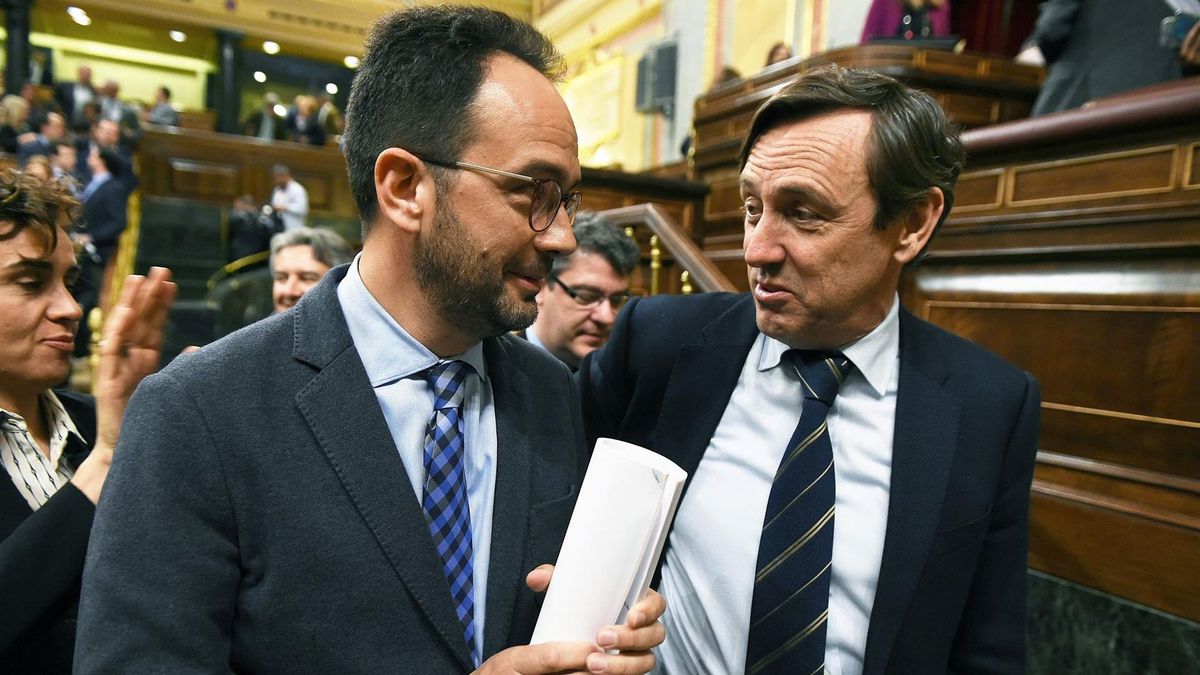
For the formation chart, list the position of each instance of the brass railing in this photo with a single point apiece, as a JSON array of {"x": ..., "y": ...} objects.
[{"x": 697, "y": 271}]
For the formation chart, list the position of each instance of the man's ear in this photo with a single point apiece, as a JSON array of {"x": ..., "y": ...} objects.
[
  {"x": 918, "y": 226},
  {"x": 403, "y": 189}
]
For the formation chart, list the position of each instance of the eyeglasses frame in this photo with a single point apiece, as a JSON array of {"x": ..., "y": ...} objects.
[
  {"x": 563, "y": 202},
  {"x": 629, "y": 295}
]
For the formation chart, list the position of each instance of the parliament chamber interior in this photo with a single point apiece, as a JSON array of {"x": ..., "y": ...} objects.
[{"x": 1072, "y": 249}]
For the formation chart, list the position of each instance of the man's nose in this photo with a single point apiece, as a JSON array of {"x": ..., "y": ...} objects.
[
  {"x": 559, "y": 238},
  {"x": 604, "y": 313},
  {"x": 760, "y": 244}
]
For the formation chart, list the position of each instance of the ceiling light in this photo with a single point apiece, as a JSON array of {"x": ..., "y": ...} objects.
[
  {"x": 79, "y": 16},
  {"x": 271, "y": 47},
  {"x": 280, "y": 110},
  {"x": 178, "y": 35},
  {"x": 331, "y": 88},
  {"x": 260, "y": 76},
  {"x": 351, "y": 61}
]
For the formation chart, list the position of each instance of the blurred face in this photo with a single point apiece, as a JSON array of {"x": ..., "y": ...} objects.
[
  {"x": 481, "y": 266},
  {"x": 569, "y": 330},
  {"x": 38, "y": 316},
  {"x": 55, "y": 127},
  {"x": 296, "y": 270},
  {"x": 281, "y": 179},
  {"x": 820, "y": 273},
  {"x": 85, "y": 75},
  {"x": 95, "y": 164},
  {"x": 108, "y": 133},
  {"x": 65, "y": 158}
]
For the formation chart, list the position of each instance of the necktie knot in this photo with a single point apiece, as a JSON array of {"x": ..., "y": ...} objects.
[
  {"x": 822, "y": 372},
  {"x": 447, "y": 379}
]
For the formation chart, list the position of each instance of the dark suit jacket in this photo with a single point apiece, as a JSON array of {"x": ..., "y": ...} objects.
[
  {"x": 105, "y": 215},
  {"x": 41, "y": 561},
  {"x": 254, "y": 120},
  {"x": 951, "y": 593},
  {"x": 64, "y": 94},
  {"x": 1097, "y": 48},
  {"x": 258, "y": 517}
]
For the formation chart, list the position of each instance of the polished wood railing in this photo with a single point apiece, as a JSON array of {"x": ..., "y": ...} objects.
[{"x": 668, "y": 247}]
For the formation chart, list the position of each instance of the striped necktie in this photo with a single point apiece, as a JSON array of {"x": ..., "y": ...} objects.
[
  {"x": 445, "y": 495},
  {"x": 790, "y": 606}
]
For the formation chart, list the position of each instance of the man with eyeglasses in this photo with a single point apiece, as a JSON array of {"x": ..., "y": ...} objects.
[
  {"x": 584, "y": 291},
  {"x": 364, "y": 482}
]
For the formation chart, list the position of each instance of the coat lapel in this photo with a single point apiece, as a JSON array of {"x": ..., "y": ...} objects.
[
  {"x": 364, "y": 458},
  {"x": 701, "y": 382},
  {"x": 926, "y": 434},
  {"x": 510, "y": 505}
]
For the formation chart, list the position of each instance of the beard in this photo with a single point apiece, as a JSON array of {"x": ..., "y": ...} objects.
[{"x": 449, "y": 271}]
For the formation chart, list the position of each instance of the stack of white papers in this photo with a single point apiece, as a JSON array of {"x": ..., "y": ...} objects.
[{"x": 611, "y": 549}]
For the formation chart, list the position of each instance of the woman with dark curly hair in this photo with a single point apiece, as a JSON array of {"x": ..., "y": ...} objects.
[{"x": 55, "y": 446}]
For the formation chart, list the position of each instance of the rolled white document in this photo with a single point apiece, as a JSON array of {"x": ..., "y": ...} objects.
[{"x": 613, "y": 542}]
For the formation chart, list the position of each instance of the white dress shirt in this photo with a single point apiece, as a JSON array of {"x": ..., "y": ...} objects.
[
  {"x": 293, "y": 199},
  {"x": 708, "y": 573},
  {"x": 396, "y": 363}
]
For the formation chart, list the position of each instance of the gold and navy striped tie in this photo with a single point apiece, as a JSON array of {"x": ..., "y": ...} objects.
[{"x": 791, "y": 584}]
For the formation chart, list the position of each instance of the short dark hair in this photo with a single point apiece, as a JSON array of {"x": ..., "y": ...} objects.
[
  {"x": 419, "y": 75},
  {"x": 328, "y": 246},
  {"x": 595, "y": 234},
  {"x": 165, "y": 92},
  {"x": 912, "y": 145},
  {"x": 45, "y": 208},
  {"x": 112, "y": 161}
]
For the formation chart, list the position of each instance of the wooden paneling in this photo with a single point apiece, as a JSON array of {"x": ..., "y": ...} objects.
[
  {"x": 1078, "y": 258},
  {"x": 1119, "y": 174},
  {"x": 1078, "y": 537},
  {"x": 214, "y": 167}
]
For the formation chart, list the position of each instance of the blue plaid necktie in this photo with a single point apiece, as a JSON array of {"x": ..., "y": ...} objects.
[
  {"x": 445, "y": 495},
  {"x": 790, "y": 606}
]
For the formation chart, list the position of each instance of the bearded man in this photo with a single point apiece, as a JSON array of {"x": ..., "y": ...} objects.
[{"x": 363, "y": 482}]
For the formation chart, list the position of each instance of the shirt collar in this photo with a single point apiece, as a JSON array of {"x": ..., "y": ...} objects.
[
  {"x": 59, "y": 423},
  {"x": 532, "y": 337},
  {"x": 874, "y": 354},
  {"x": 387, "y": 351}
]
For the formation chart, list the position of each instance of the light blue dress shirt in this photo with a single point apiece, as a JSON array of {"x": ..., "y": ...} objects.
[
  {"x": 396, "y": 363},
  {"x": 708, "y": 573}
]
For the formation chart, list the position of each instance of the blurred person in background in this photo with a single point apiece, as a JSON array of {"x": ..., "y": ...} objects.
[
  {"x": 163, "y": 112},
  {"x": 300, "y": 258}
]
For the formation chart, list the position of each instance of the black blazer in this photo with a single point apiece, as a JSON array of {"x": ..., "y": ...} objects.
[
  {"x": 106, "y": 214},
  {"x": 258, "y": 517},
  {"x": 951, "y": 593},
  {"x": 41, "y": 561}
]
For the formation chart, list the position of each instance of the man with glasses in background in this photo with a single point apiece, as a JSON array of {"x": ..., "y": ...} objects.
[
  {"x": 584, "y": 291},
  {"x": 364, "y": 482}
]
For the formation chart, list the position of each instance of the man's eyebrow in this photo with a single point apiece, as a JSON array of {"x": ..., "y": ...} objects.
[{"x": 542, "y": 169}]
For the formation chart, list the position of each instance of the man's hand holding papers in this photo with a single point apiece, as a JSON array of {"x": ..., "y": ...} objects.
[{"x": 633, "y": 641}]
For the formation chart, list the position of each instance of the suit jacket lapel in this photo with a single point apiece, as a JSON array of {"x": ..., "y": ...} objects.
[
  {"x": 364, "y": 458},
  {"x": 926, "y": 434},
  {"x": 701, "y": 382},
  {"x": 510, "y": 505}
]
